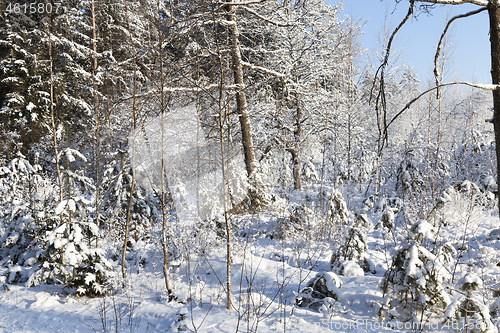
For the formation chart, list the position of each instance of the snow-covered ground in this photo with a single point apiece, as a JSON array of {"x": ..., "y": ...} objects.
[
  {"x": 266, "y": 275},
  {"x": 276, "y": 253}
]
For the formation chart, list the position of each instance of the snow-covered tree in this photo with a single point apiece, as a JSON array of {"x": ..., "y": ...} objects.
[
  {"x": 414, "y": 282},
  {"x": 67, "y": 255},
  {"x": 475, "y": 314},
  {"x": 310, "y": 102},
  {"x": 35, "y": 245},
  {"x": 493, "y": 9},
  {"x": 25, "y": 195},
  {"x": 144, "y": 213},
  {"x": 352, "y": 250}
]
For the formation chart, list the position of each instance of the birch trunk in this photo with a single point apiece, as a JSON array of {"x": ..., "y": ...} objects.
[{"x": 241, "y": 101}]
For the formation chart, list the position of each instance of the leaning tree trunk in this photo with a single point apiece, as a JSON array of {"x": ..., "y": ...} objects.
[
  {"x": 241, "y": 101},
  {"x": 494, "y": 15}
]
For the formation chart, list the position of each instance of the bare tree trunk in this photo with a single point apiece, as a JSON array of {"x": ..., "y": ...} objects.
[
  {"x": 296, "y": 150},
  {"x": 229, "y": 257},
  {"x": 127, "y": 220},
  {"x": 96, "y": 118},
  {"x": 494, "y": 16},
  {"x": 296, "y": 168},
  {"x": 241, "y": 101},
  {"x": 54, "y": 133},
  {"x": 163, "y": 213},
  {"x": 350, "y": 107},
  {"x": 229, "y": 303}
]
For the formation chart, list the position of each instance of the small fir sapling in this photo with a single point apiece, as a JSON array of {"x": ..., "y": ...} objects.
[
  {"x": 495, "y": 306},
  {"x": 336, "y": 210},
  {"x": 476, "y": 315},
  {"x": 352, "y": 248},
  {"x": 67, "y": 257},
  {"x": 297, "y": 222},
  {"x": 23, "y": 219},
  {"x": 472, "y": 191},
  {"x": 352, "y": 251},
  {"x": 144, "y": 211},
  {"x": 181, "y": 321},
  {"x": 15, "y": 183},
  {"x": 474, "y": 153},
  {"x": 409, "y": 174},
  {"x": 390, "y": 207},
  {"x": 388, "y": 217},
  {"x": 309, "y": 171},
  {"x": 415, "y": 280}
]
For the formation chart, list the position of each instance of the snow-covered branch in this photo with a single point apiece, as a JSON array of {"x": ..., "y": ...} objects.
[
  {"x": 279, "y": 24},
  {"x": 264, "y": 70},
  {"x": 138, "y": 55},
  {"x": 246, "y": 3},
  {"x": 380, "y": 99}
]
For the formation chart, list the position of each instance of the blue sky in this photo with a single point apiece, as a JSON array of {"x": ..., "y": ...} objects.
[{"x": 418, "y": 38}]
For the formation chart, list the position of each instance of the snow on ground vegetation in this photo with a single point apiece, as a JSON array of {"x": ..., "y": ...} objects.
[{"x": 292, "y": 273}]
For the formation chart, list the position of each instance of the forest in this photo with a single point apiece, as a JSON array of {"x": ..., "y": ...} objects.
[{"x": 238, "y": 166}]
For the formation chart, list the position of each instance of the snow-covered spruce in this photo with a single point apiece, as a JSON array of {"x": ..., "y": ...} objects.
[
  {"x": 337, "y": 212},
  {"x": 414, "y": 283},
  {"x": 296, "y": 222},
  {"x": 68, "y": 257},
  {"x": 116, "y": 183},
  {"x": 351, "y": 251},
  {"x": 23, "y": 220},
  {"x": 470, "y": 308},
  {"x": 350, "y": 258}
]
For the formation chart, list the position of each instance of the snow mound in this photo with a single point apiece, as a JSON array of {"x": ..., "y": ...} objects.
[{"x": 351, "y": 268}]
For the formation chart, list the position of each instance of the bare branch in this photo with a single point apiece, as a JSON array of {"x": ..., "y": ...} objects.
[
  {"x": 457, "y": 2},
  {"x": 381, "y": 94},
  {"x": 489, "y": 87},
  {"x": 438, "y": 49}
]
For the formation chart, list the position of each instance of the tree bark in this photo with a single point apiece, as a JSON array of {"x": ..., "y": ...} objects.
[
  {"x": 54, "y": 137},
  {"x": 494, "y": 16},
  {"x": 96, "y": 118},
  {"x": 241, "y": 101},
  {"x": 295, "y": 150},
  {"x": 296, "y": 168},
  {"x": 163, "y": 202},
  {"x": 129, "y": 207}
]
